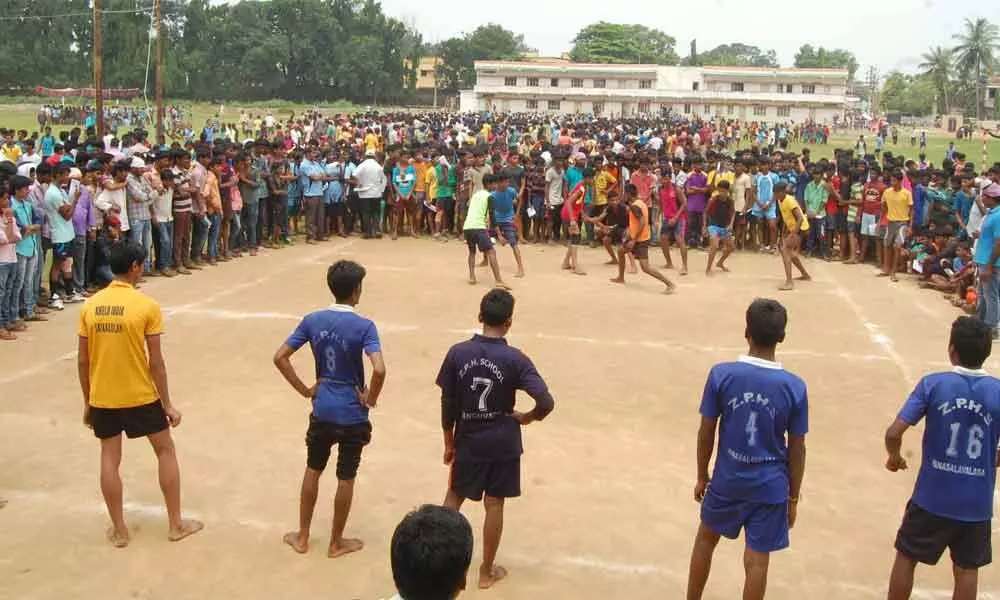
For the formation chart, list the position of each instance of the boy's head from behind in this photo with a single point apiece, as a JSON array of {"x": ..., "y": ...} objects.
[
  {"x": 430, "y": 551},
  {"x": 496, "y": 309},
  {"x": 970, "y": 344},
  {"x": 344, "y": 279},
  {"x": 766, "y": 321}
]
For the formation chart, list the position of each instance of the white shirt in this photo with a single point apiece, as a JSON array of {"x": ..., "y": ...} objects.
[{"x": 370, "y": 178}]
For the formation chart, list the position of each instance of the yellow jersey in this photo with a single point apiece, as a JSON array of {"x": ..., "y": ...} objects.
[
  {"x": 115, "y": 323},
  {"x": 787, "y": 206}
]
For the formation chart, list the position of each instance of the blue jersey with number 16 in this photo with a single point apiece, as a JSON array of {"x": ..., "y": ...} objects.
[
  {"x": 958, "y": 470},
  {"x": 757, "y": 403}
]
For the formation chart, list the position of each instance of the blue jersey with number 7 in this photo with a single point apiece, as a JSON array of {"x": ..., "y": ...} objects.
[
  {"x": 958, "y": 470},
  {"x": 757, "y": 403}
]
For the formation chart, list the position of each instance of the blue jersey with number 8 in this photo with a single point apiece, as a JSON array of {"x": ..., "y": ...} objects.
[
  {"x": 757, "y": 403},
  {"x": 958, "y": 470}
]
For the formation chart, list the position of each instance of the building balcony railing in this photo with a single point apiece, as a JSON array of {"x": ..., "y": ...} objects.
[{"x": 655, "y": 95}]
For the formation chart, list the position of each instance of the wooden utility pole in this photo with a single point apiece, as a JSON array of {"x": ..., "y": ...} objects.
[
  {"x": 98, "y": 69},
  {"x": 160, "y": 137}
]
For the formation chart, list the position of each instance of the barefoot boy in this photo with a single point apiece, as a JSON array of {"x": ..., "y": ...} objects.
[
  {"x": 476, "y": 227},
  {"x": 796, "y": 226},
  {"x": 505, "y": 206},
  {"x": 673, "y": 206},
  {"x": 719, "y": 217},
  {"x": 340, "y": 401},
  {"x": 125, "y": 389},
  {"x": 761, "y": 413},
  {"x": 952, "y": 503},
  {"x": 482, "y": 432},
  {"x": 572, "y": 211},
  {"x": 637, "y": 244}
]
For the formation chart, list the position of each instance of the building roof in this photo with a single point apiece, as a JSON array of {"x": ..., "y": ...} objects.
[{"x": 561, "y": 66}]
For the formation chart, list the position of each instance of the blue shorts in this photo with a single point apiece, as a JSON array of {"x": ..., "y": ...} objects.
[
  {"x": 674, "y": 232},
  {"x": 719, "y": 232},
  {"x": 478, "y": 239},
  {"x": 757, "y": 213},
  {"x": 509, "y": 233},
  {"x": 766, "y": 525}
]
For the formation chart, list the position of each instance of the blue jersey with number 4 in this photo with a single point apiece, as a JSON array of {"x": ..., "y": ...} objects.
[
  {"x": 339, "y": 338},
  {"x": 958, "y": 470},
  {"x": 757, "y": 403}
]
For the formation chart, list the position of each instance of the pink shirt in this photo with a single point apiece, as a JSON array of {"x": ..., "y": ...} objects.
[
  {"x": 643, "y": 184},
  {"x": 10, "y": 235},
  {"x": 668, "y": 202}
]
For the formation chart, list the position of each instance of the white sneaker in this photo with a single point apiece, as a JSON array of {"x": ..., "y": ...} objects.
[
  {"x": 75, "y": 298},
  {"x": 55, "y": 302}
]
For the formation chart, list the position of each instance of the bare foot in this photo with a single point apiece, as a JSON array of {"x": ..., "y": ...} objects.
[
  {"x": 786, "y": 287},
  {"x": 882, "y": 274},
  {"x": 803, "y": 278},
  {"x": 344, "y": 546},
  {"x": 117, "y": 539},
  {"x": 579, "y": 272},
  {"x": 566, "y": 267},
  {"x": 684, "y": 270},
  {"x": 188, "y": 527},
  {"x": 519, "y": 274},
  {"x": 667, "y": 266},
  {"x": 503, "y": 286},
  {"x": 709, "y": 273},
  {"x": 611, "y": 262},
  {"x": 298, "y": 544},
  {"x": 893, "y": 278},
  {"x": 487, "y": 579},
  {"x": 617, "y": 280},
  {"x": 472, "y": 281},
  {"x": 671, "y": 289},
  {"x": 722, "y": 268}
]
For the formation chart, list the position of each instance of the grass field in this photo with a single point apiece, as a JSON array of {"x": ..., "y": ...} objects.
[{"x": 22, "y": 116}]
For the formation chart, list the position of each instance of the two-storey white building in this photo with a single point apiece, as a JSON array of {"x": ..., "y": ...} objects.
[{"x": 745, "y": 93}]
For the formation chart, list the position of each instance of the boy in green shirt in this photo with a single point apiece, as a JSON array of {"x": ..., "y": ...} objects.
[{"x": 477, "y": 230}]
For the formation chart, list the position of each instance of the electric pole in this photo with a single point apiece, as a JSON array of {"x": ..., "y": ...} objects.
[
  {"x": 98, "y": 68},
  {"x": 158, "y": 32}
]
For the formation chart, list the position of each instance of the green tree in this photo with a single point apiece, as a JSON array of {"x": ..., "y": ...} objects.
[
  {"x": 907, "y": 94},
  {"x": 976, "y": 53},
  {"x": 488, "y": 42},
  {"x": 937, "y": 65},
  {"x": 623, "y": 44},
  {"x": 736, "y": 55},
  {"x": 821, "y": 58}
]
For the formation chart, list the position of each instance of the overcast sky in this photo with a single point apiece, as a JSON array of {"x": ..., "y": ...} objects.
[{"x": 891, "y": 34}]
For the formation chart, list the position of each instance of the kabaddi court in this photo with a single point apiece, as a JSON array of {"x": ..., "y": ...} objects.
[{"x": 607, "y": 510}]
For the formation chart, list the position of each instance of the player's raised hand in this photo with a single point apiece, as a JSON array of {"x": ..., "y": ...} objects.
[
  {"x": 699, "y": 490},
  {"x": 895, "y": 463}
]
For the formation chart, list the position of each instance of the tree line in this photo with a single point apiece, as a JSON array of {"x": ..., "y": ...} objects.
[{"x": 322, "y": 50}]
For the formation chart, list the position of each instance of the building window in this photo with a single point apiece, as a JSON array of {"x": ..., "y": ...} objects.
[
  {"x": 687, "y": 107},
  {"x": 784, "y": 111},
  {"x": 532, "y": 82},
  {"x": 510, "y": 81},
  {"x": 554, "y": 82},
  {"x": 553, "y": 105},
  {"x": 532, "y": 104},
  {"x": 826, "y": 89},
  {"x": 808, "y": 88},
  {"x": 730, "y": 109},
  {"x": 577, "y": 83},
  {"x": 694, "y": 86},
  {"x": 759, "y": 111},
  {"x": 708, "y": 109},
  {"x": 736, "y": 86},
  {"x": 645, "y": 84},
  {"x": 643, "y": 107},
  {"x": 600, "y": 83},
  {"x": 598, "y": 108}
]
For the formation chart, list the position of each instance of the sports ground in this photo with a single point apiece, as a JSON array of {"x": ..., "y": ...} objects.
[{"x": 607, "y": 510}]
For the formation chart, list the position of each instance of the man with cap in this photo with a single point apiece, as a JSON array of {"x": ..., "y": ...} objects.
[
  {"x": 987, "y": 258},
  {"x": 139, "y": 196}
]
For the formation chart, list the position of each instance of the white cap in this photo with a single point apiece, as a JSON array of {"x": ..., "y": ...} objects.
[{"x": 137, "y": 163}]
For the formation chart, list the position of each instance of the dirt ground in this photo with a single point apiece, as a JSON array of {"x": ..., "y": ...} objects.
[{"x": 607, "y": 510}]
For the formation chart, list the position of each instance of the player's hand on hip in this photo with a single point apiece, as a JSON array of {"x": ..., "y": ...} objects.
[
  {"x": 523, "y": 418},
  {"x": 364, "y": 395},
  {"x": 699, "y": 490},
  {"x": 173, "y": 416},
  {"x": 311, "y": 392},
  {"x": 895, "y": 463}
]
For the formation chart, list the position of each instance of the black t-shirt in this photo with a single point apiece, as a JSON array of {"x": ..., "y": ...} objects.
[
  {"x": 479, "y": 379},
  {"x": 617, "y": 216},
  {"x": 722, "y": 212}
]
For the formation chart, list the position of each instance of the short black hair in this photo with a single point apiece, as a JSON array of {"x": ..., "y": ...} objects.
[
  {"x": 18, "y": 182},
  {"x": 766, "y": 321},
  {"x": 972, "y": 341},
  {"x": 496, "y": 307},
  {"x": 430, "y": 551},
  {"x": 123, "y": 255},
  {"x": 343, "y": 277}
]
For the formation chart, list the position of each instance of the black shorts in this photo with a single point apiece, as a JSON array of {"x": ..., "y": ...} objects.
[
  {"x": 640, "y": 250},
  {"x": 62, "y": 251},
  {"x": 923, "y": 536},
  {"x": 478, "y": 239},
  {"x": 498, "y": 479},
  {"x": 334, "y": 209},
  {"x": 322, "y": 435},
  {"x": 135, "y": 421}
]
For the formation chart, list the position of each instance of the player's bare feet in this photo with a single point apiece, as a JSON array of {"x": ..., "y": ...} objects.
[
  {"x": 293, "y": 539},
  {"x": 881, "y": 274},
  {"x": 566, "y": 267},
  {"x": 187, "y": 528},
  {"x": 488, "y": 578},
  {"x": 684, "y": 270},
  {"x": 709, "y": 273},
  {"x": 472, "y": 281},
  {"x": 118, "y": 539},
  {"x": 671, "y": 289},
  {"x": 611, "y": 262},
  {"x": 519, "y": 274},
  {"x": 617, "y": 280},
  {"x": 579, "y": 272},
  {"x": 893, "y": 278},
  {"x": 803, "y": 278},
  {"x": 722, "y": 268},
  {"x": 344, "y": 546},
  {"x": 786, "y": 287}
]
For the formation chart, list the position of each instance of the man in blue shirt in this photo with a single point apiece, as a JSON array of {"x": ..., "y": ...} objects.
[
  {"x": 479, "y": 379},
  {"x": 952, "y": 502},
  {"x": 339, "y": 338},
  {"x": 312, "y": 174},
  {"x": 987, "y": 256},
  {"x": 756, "y": 406},
  {"x": 504, "y": 209}
]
